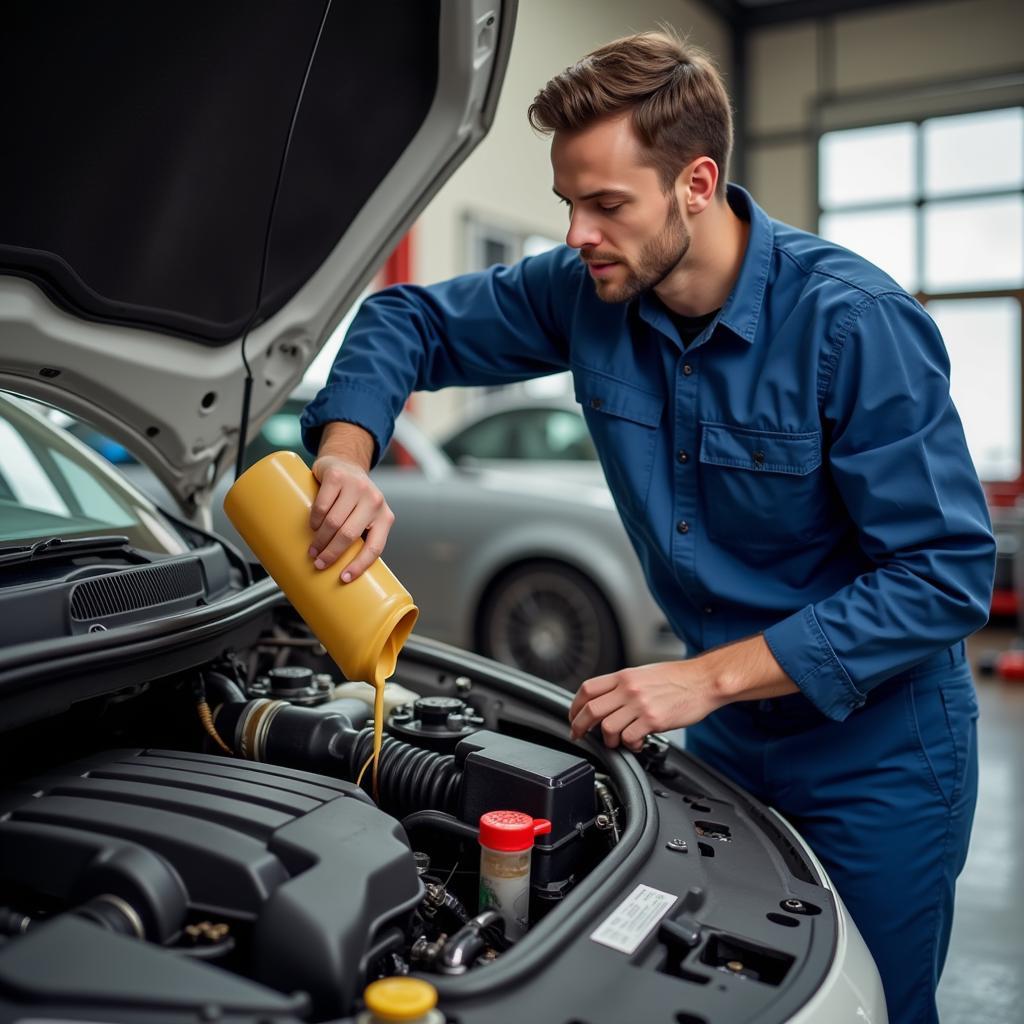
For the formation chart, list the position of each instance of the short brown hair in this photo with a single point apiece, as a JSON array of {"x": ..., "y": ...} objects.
[{"x": 679, "y": 104}]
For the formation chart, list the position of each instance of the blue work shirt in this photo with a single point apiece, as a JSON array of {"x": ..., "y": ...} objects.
[{"x": 798, "y": 471}]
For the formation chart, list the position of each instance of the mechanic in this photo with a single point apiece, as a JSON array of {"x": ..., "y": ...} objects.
[{"x": 774, "y": 421}]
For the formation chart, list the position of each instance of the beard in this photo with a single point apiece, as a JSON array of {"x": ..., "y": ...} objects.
[{"x": 657, "y": 259}]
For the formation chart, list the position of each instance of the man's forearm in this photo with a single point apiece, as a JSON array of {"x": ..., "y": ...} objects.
[
  {"x": 746, "y": 670},
  {"x": 347, "y": 441},
  {"x": 674, "y": 694}
]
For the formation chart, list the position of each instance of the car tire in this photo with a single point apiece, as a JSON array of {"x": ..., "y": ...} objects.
[{"x": 550, "y": 620}]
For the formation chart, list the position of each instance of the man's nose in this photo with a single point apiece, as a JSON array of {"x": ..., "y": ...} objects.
[{"x": 582, "y": 231}]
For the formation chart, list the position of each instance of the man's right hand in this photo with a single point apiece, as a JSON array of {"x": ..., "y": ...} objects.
[{"x": 349, "y": 503}]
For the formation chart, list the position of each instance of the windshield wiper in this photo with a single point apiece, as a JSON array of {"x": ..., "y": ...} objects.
[{"x": 58, "y": 548}]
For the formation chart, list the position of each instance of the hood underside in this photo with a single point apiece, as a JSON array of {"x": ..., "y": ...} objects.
[{"x": 180, "y": 175}]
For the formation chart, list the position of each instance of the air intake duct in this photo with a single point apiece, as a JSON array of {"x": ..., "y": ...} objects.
[{"x": 276, "y": 732}]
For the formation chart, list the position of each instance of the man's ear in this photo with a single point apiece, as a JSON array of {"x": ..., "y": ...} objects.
[{"x": 697, "y": 183}]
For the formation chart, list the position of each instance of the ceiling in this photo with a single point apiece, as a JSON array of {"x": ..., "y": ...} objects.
[{"x": 744, "y": 14}]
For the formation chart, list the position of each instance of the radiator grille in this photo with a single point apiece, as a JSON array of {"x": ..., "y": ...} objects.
[{"x": 136, "y": 588}]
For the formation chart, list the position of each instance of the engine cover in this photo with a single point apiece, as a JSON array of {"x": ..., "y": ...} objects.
[{"x": 304, "y": 866}]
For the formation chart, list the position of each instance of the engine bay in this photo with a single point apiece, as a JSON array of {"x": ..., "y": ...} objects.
[
  {"x": 209, "y": 846},
  {"x": 182, "y": 838}
]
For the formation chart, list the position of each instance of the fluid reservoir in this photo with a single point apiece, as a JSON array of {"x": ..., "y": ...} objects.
[
  {"x": 506, "y": 849},
  {"x": 411, "y": 1000}
]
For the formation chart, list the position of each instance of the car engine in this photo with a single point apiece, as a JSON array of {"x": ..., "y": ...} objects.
[{"x": 209, "y": 851}]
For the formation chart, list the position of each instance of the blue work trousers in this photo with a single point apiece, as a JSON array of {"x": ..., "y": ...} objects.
[{"x": 885, "y": 799}]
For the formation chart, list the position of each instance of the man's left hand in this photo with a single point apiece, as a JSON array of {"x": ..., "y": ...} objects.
[{"x": 674, "y": 694}]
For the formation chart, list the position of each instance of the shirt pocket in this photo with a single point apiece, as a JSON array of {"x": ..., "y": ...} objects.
[
  {"x": 623, "y": 420},
  {"x": 760, "y": 488}
]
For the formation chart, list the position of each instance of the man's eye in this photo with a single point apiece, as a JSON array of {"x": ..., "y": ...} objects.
[{"x": 611, "y": 209}]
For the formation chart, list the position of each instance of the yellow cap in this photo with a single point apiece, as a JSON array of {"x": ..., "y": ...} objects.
[{"x": 400, "y": 998}]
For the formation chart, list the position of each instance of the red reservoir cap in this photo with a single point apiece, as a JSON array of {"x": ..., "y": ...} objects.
[{"x": 510, "y": 831}]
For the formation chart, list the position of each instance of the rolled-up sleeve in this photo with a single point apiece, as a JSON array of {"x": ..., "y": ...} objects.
[
  {"x": 493, "y": 327},
  {"x": 899, "y": 461}
]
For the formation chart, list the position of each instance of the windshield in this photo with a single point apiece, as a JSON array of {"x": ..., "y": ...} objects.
[{"x": 51, "y": 486}]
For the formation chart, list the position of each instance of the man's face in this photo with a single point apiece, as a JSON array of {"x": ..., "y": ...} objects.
[{"x": 629, "y": 232}]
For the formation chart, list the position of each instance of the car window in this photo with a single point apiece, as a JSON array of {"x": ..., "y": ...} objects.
[
  {"x": 49, "y": 487},
  {"x": 545, "y": 434}
]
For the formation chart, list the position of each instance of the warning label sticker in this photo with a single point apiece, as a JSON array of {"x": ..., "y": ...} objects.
[{"x": 634, "y": 919}]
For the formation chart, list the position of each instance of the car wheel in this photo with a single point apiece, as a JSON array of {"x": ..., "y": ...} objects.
[{"x": 551, "y": 621}]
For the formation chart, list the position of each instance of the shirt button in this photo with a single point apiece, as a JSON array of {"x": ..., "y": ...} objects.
[
  {"x": 596, "y": 403},
  {"x": 759, "y": 458},
  {"x": 683, "y": 526},
  {"x": 683, "y": 456},
  {"x": 687, "y": 369}
]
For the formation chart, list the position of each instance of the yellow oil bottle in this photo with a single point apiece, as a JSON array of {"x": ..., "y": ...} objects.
[{"x": 362, "y": 624}]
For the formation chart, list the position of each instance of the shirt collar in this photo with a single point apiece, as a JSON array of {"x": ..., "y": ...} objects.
[{"x": 742, "y": 309}]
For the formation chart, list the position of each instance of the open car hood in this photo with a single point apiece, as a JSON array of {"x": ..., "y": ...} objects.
[{"x": 180, "y": 175}]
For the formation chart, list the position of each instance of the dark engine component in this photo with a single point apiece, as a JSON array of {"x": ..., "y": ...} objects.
[
  {"x": 303, "y": 868},
  {"x": 437, "y": 723},
  {"x": 504, "y": 773},
  {"x": 68, "y": 866},
  {"x": 487, "y": 772},
  {"x": 295, "y": 684},
  {"x": 70, "y": 969}
]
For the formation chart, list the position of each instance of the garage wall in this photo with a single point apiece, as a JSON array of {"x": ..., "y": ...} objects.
[
  {"x": 507, "y": 180},
  {"x": 900, "y": 61}
]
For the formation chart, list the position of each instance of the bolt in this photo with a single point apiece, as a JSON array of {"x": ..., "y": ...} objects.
[
  {"x": 735, "y": 966},
  {"x": 794, "y": 905},
  {"x": 207, "y": 931},
  {"x": 603, "y": 822},
  {"x": 463, "y": 684},
  {"x": 676, "y": 845}
]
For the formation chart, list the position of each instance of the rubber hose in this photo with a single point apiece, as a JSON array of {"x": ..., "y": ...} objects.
[
  {"x": 411, "y": 777},
  {"x": 467, "y": 943},
  {"x": 441, "y": 820},
  {"x": 221, "y": 689}
]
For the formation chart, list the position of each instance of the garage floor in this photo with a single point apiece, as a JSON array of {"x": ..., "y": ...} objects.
[{"x": 984, "y": 978}]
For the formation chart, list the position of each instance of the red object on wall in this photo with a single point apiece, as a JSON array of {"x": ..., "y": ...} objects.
[
  {"x": 398, "y": 268},
  {"x": 1010, "y": 666}
]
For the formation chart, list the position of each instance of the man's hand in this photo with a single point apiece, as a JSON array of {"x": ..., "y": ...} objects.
[
  {"x": 349, "y": 503},
  {"x": 674, "y": 694},
  {"x": 652, "y": 698}
]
